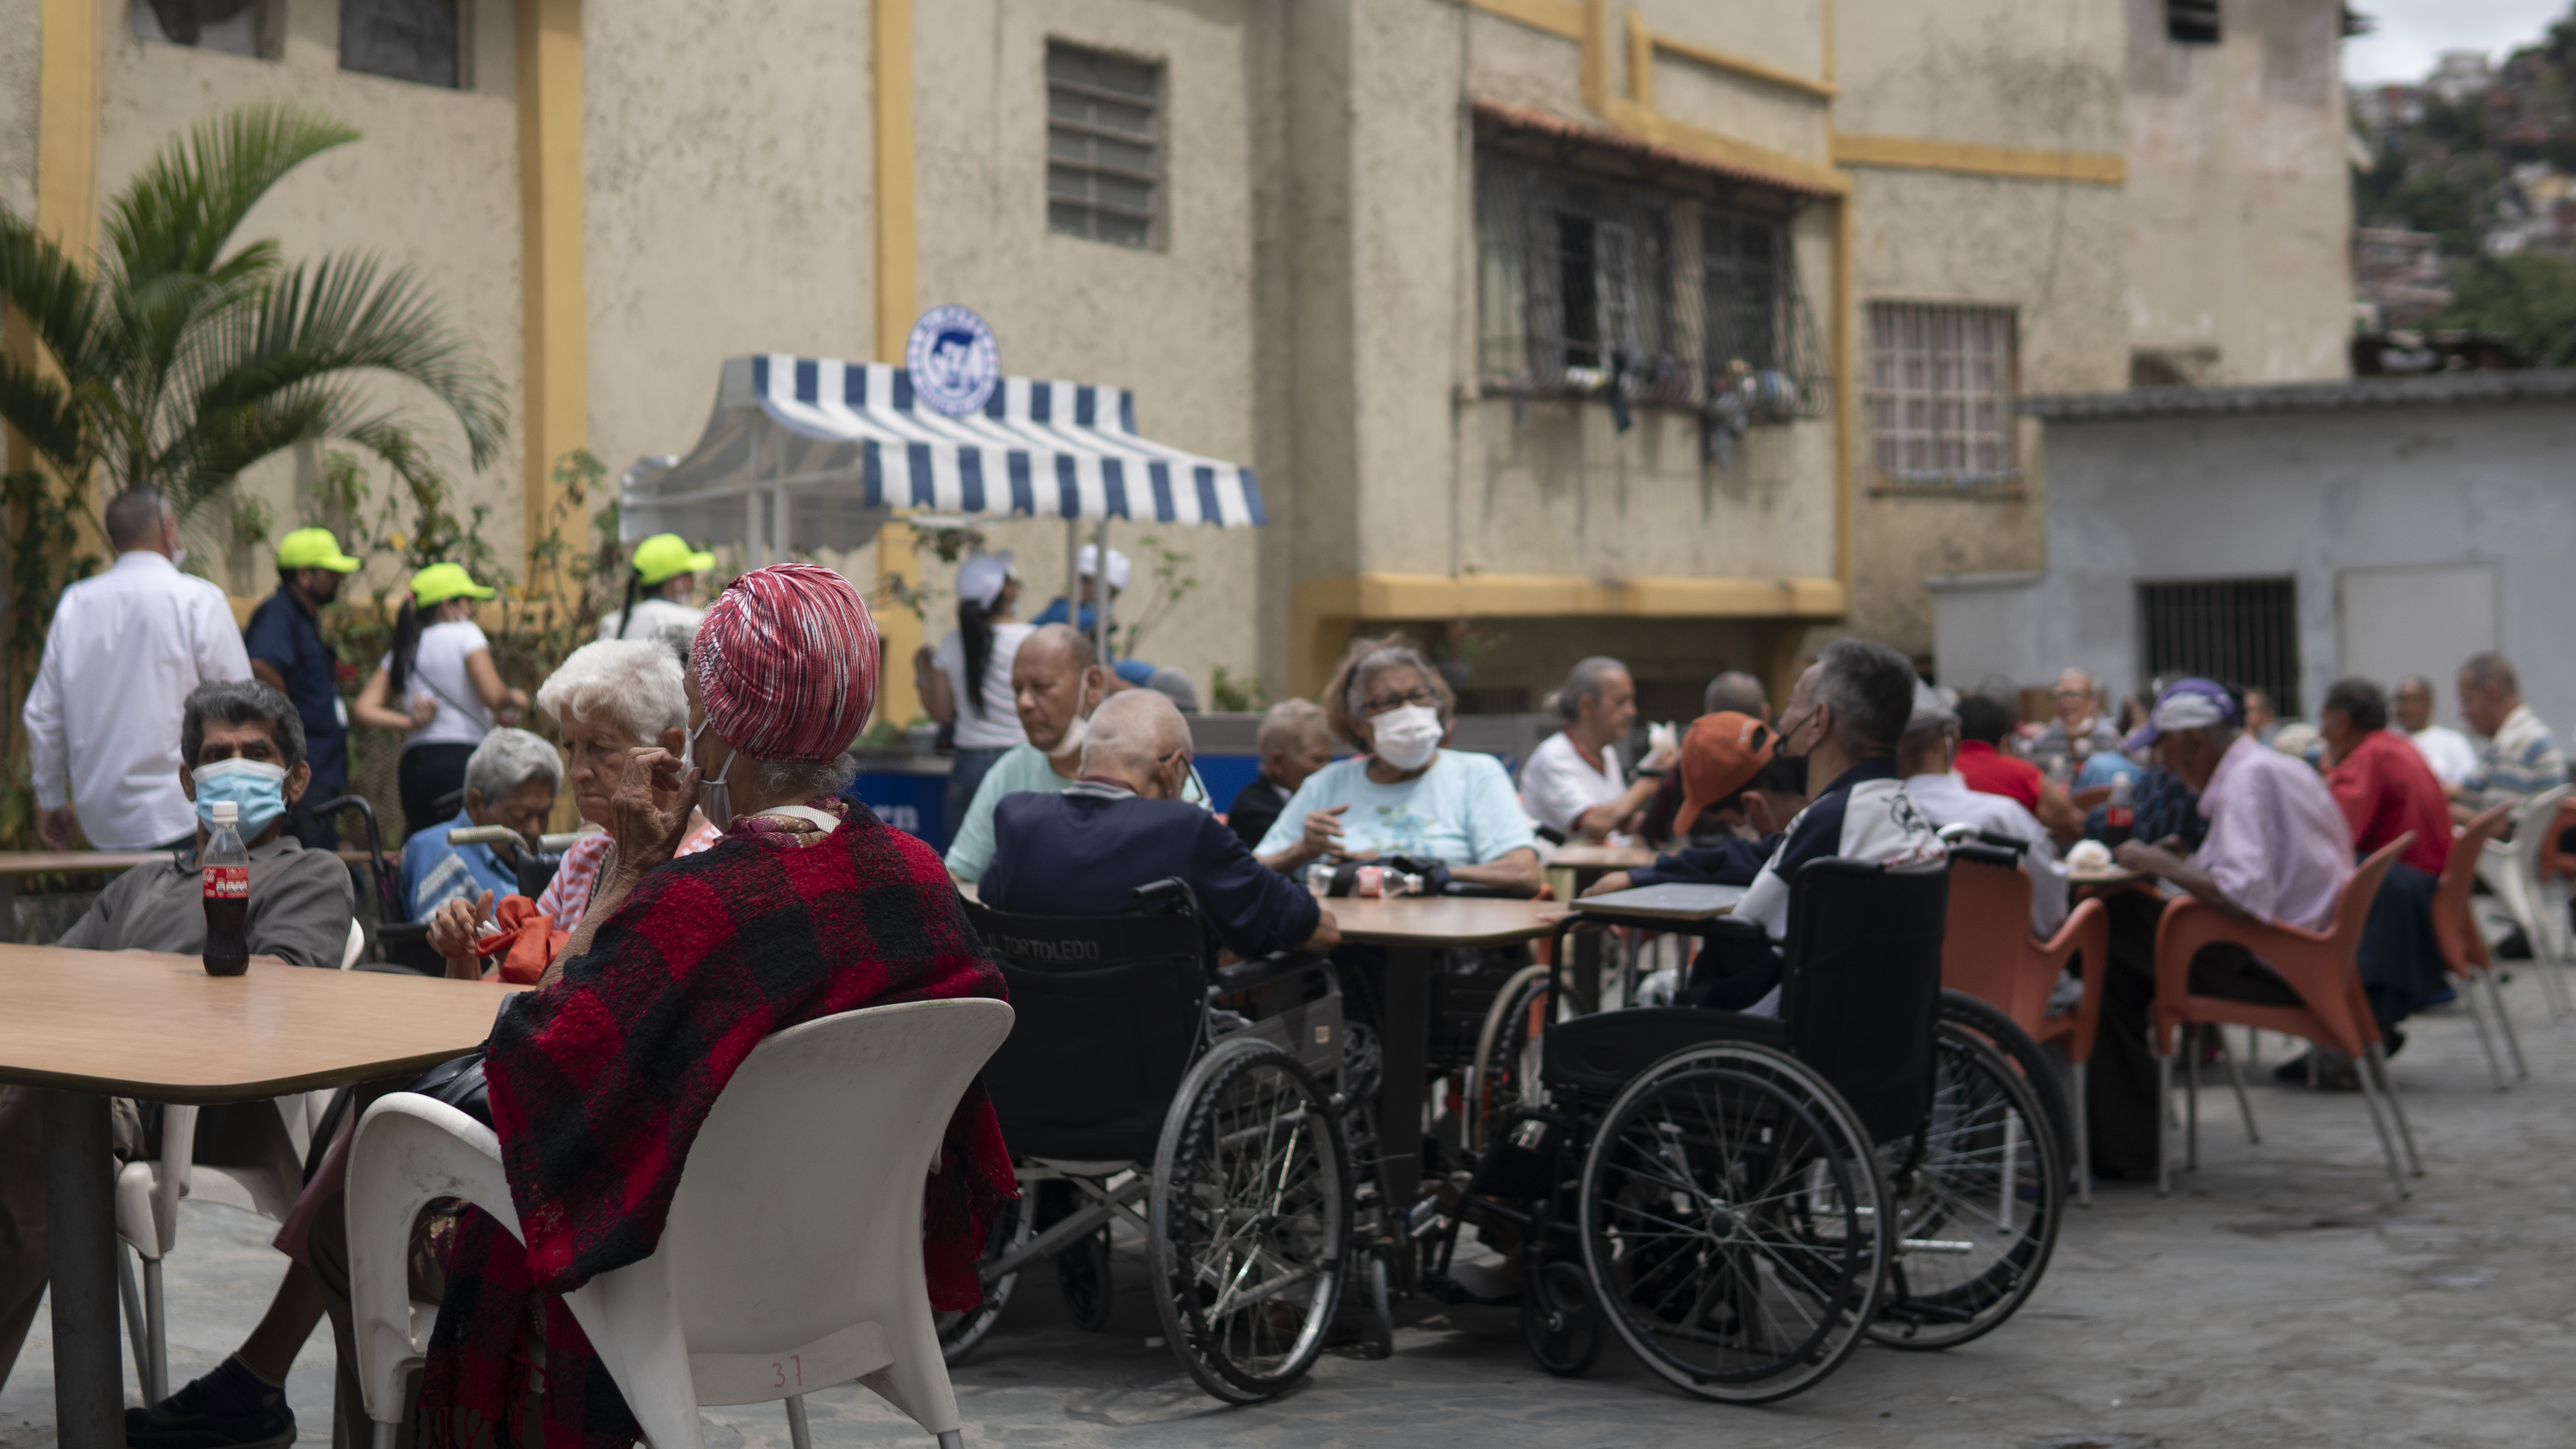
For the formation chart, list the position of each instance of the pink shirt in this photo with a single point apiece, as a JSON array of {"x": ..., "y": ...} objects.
[
  {"x": 569, "y": 896},
  {"x": 2278, "y": 845}
]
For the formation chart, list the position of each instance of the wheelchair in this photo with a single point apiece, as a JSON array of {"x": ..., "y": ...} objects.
[
  {"x": 1214, "y": 1098},
  {"x": 1743, "y": 1200}
]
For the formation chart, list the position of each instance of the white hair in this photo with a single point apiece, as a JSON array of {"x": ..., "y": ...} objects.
[
  {"x": 509, "y": 758},
  {"x": 1290, "y": 723},
  {"x": 634, "y": 682}
]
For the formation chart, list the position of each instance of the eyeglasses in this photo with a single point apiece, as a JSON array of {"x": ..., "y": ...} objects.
[{"x": 1381, "y": 703}]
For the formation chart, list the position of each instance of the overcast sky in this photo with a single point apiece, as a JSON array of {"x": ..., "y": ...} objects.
[{"x": 2410, "y": 34}]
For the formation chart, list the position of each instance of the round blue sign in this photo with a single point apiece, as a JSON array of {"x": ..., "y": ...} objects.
[{"x": 954, "y": 361}]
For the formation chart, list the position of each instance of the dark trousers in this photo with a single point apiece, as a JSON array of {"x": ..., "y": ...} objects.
[
  {"x": 2122, "y": 1106},
  {"x": 428, "y": 773}
]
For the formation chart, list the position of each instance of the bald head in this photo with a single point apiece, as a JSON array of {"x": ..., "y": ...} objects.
[
  {"x": 1054, "y": 681},
  {"x": 1139, "y": 737}
]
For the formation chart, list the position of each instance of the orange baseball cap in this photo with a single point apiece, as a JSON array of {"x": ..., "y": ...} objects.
[{"x": 1720, "y": 756}]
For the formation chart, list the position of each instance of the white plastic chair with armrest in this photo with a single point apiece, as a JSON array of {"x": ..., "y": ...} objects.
[
  {"x": 2511, "y": 868},
  {"x": 792, "y": 1258},
  {"x": 148, "y": 1193}
]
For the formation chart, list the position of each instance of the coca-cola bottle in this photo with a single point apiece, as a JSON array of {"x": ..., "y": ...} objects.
[
  {"x": 226, "y": 866},
  {"x": 2119, "y": 816}
]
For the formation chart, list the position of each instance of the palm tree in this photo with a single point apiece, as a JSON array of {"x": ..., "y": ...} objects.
[{"x": 186, "y": 359}]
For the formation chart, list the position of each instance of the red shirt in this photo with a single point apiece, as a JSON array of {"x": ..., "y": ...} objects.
[
  {"x": 1999, "y": 774},
  {"x": 2386, "y": 789}
]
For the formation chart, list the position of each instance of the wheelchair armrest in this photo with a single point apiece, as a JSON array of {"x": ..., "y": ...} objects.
[
  {"x": 1729, "y": 928},
  {"x": 1244, "y": 975}
]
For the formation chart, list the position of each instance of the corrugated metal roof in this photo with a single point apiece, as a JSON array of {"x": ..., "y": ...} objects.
[{"x": 2427, "y": 390}]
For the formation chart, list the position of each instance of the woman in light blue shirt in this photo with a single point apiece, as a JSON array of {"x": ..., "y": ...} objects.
[{"x": 1403, "y": 794}]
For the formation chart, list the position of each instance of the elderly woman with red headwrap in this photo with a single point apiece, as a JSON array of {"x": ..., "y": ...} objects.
[{"x": 600, "y": 1078}]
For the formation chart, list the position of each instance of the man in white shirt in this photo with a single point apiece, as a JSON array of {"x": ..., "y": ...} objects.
[
  {"x": 2410, "y": 706},
  {"x": 125, "y": 649},
  {"x": 1923, "y": 761},
  {"x": 1572, "y": 785}
]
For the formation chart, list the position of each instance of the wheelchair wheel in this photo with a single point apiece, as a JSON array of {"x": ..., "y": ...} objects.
[
  {"x": 1082, "y": 1277},
  {"x": 1506, "y": 1055},
  {"x": 1251, "y": 1221},
  {"x": 1978, "y": 1206},
  {"x": 960, "y": 1332},
  {"x": 1733, "y": 1222},
  {"x": 1561, "y": 1320},
  {"x": 2001, "y": 1033}
]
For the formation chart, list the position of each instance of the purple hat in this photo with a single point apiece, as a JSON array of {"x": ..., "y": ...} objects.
[{"x": 2187, "y": 704}]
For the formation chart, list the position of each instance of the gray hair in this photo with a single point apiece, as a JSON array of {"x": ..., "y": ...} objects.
[
  {"x": 805, "y": 779},
  {"x": 1737, "y": 692},
  {"x": 1288, "y": 724},
  {"x": 1584, "y": 681},
  {"x": 1128, "y": 730},
  {"x": 239, "y": 702},
  {"x": 134, "y": 517},
  {"x": 1386, "y": 660},
  {"x": 1870, "y": 689},
  {"x": 634, "y": 682},
  {"x": 508, "y": 759},
  {"x": 2492, "y": 670}
]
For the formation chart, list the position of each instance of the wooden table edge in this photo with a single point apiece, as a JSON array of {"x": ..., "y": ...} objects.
[
  {"x": 1449, "y": 940},
  {"x": 199, "y": 1094}
]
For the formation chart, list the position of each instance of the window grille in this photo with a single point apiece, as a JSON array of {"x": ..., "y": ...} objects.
[
  {"x": 2243, "y": 632},
  {"x": 1102, "y": 139},
  {"x": 1578, "y": 276},
  {"x": 2192, "y": 22},
  {"x": 253, "y": 28},
  {"x": 412, "y": 40},
  {"x": 1941, "y": 386}
]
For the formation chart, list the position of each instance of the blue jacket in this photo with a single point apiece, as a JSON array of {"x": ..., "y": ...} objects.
[{"x": 1080, "y": 853}]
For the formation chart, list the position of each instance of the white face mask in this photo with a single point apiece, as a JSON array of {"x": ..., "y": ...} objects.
[
  {"x": 1406, "y": 737},
  {"x": 1071, "y": 745},
  {"x": 715, "y": 799}
]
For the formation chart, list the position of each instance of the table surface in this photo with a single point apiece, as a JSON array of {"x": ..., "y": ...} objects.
[
  {"x": 48, "y": 862},
  {"x": 1602, "y": 857},
  {"x": 1440, "y": 920},
  {"x": 1669, "y": 902},
  {"x": 155, "y": 1026}
]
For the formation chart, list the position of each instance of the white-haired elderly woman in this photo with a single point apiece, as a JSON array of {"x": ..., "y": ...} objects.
[
  {"x": 608, "y": 699},
  {"x": 1403, "y": 794},
  {"x": 1574, "y": 784},
  {"x": 511, "y": 780}
]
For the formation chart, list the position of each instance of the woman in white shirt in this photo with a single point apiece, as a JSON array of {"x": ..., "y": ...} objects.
[
  {"x": 1573, "y": 785},
  {"x": 658, "y": 591},
  {"x": 966, "y": 682},
  {"x": 441, "y": 669}
]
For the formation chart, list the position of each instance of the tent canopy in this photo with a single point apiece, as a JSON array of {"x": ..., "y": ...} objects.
[{"x": 818, "y": 453}]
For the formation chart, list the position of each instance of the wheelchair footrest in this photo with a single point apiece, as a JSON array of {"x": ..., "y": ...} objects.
[{"x": 1473, "y": 1283}]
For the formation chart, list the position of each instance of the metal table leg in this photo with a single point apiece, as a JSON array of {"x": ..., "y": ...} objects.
[
  {"x": 80, "y": 1227},
  {"x": 1405, "y": 1040}
]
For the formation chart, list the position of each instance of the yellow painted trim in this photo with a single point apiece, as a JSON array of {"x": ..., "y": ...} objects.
[
  {"x": 897, "y": 303},
  {"x": 1556, "y": 17},
  {"x": 67, "y": 106},
  {"x": 1596, "y": 55},
  {"x": 553, "y": 317},
  {"x": 1740, "y": 65},
  {"x": 1641, "y": 62},
  {"x": 1479, "y": 596},
  {"x": 1725, "y": 151},
  {"x": 1845, "y": 381},
  {"x": 1907, "y": 153}
]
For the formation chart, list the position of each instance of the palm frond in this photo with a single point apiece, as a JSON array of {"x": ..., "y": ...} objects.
[
  {"x": 49, "y": 290},
  {"x": 180, "y": 212},
  {"x": 226, "y": 442},
  {"x": 41, "y": 409}
]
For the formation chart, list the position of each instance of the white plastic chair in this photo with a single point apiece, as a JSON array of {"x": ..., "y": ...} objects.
[
  {"x": 792, "y": 1258},
  {"x": 148, "y": 1194},
  {"x": 2511, "y": 868}
]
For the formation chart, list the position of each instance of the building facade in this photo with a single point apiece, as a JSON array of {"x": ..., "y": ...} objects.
[{"x": 1684, "y": 330}]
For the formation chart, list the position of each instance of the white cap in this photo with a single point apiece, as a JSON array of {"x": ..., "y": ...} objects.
[
  {"x": 1087, "y": 563},
  {"x": 227, "y": 812},
  {"x": 981, "y": 576}
]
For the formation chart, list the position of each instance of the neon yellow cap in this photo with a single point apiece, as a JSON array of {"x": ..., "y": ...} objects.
[
  {"x": 314, "y": 548},
  {"x": 667, "y": 554},
  {"x": 441, "y": 582}
]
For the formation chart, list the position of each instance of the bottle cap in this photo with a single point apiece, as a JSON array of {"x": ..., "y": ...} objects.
[{"x": 227, "y": 812}]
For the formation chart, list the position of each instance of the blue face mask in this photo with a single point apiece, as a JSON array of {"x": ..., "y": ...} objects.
[{"x": 256, "y": 788}]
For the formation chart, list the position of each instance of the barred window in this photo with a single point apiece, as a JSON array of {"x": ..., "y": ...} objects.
[
  {"x": 1743, "y": 259},
  {"x": 255, "y": 28},
  {"x": 2192, "y": 22},
  {"x": 412, "y": 40},
  {"x": 1102, "y": 138},
  {"x": 1941, "y": 388},
  {"x": 2242, "y": 631}
]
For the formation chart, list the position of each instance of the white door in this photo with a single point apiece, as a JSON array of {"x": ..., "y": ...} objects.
[{"x": 2393, "y": 622}]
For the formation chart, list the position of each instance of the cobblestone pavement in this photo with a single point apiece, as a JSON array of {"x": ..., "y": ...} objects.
[{"x": 2280, "y": 1297}]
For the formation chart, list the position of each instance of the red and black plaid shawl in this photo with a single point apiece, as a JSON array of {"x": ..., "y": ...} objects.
[{"x": 600, "y": 1082}]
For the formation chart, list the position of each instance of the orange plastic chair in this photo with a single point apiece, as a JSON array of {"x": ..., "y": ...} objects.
[
  {"x": 2333, "y": 1012},
  {"x": 1989, "y": 953},
  {"x": 2455, "y": 926}
]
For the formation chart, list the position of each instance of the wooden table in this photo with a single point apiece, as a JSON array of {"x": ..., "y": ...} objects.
[
  {"x": 1413, "y": 929},
  {"x": 1601, "y": 858},
  {"x": 91, "y": 1025}
]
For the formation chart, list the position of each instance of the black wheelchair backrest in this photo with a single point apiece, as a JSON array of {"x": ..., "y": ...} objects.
[
  {"x": 1110, "y": 1015},
  {"x": 1861, "y": 984}
]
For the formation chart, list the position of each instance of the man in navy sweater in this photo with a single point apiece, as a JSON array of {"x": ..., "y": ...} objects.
[{"x": 1123, "y": 824}]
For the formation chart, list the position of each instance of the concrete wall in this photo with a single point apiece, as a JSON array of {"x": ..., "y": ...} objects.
[
  {"x": 2308, "y": 494},
  {"x": 434, "y": 185},
  {"x": 2240, "y": 193},
  {"x": 18, "y": 19}
]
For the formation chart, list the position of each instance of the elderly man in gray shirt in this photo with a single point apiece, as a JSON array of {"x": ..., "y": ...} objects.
[{"x": 239, "y": 741}]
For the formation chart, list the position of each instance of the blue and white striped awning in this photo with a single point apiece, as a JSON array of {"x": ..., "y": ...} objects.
[{"x": 810, "y": 452}]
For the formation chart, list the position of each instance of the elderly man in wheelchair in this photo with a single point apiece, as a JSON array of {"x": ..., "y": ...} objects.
[
  {"x": 1744, "y": 1194},
  {"x": 1171, "y": 1053}
]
